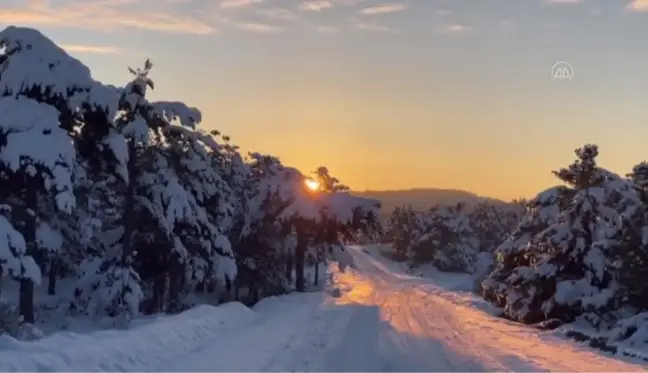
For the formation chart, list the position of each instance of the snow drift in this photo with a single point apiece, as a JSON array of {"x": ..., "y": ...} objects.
[{"x": 141, "y": 348}]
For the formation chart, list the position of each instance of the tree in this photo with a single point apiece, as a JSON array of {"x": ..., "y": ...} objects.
[
  {"x": 327, "y": 182},
  {"x": 42, "y": 89},
  {"x": 632, "y": 254},
  {"x": 458, "y": 246},
  {"x": 541, "y": 211},
  {"x": 570, "y": 268}
]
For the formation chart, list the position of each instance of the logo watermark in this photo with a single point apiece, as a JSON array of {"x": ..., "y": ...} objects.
[{"x": 562, "y": 70}]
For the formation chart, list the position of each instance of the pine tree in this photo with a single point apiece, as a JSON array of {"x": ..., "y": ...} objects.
[
  {"x": 632, "y": 254},
  {"x": 458, "y": 244},
  {"x": 541, "y": 211},
  {"x": 570, "y": 269},
  {"x": 42, "y": 91}
]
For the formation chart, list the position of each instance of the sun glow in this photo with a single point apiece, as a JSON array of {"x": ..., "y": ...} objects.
[{"x": 312, "y": 184}]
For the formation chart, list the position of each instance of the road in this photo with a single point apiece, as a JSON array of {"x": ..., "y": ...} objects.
[
  {"x": 387, "y": 321},
  {"x": 412, "y": 325}
]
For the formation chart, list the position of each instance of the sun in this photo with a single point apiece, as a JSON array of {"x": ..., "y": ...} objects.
[{"x": 312, "y": 185}]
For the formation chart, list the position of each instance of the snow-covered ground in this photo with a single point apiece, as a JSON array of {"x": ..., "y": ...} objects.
[
  {"x": 429, "y": 327},
  {"x": 382, "y": 320}
]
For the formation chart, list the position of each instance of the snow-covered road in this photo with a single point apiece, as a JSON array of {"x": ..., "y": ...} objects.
[
  {"x": 383, "y": 320},
  {"x": 421, "y": 327},
  {"x": 388, "y": 321}
]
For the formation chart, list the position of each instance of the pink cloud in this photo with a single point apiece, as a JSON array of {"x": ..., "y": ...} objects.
[
  {"x": 638, "y": 6},
  {"x": 101, "y": 15}
]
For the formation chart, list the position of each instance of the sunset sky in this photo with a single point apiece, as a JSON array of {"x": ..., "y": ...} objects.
[{"x": 387, "y": 94}]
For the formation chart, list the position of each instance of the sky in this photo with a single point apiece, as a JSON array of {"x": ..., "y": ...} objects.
[{"x": 389, "y": 94}]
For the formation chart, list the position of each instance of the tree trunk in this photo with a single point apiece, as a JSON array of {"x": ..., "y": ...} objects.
[
  {"x": 159, "y": 293},
  {"x": 27, "y": 300},
  {"x": 316, "y": 280},
  {"x": 176, "y": 277},
  {"x": 129, "y": 212},
  {"x": 53, "y": 272},
  {"x": 289, "y": 268},
  {"x": 252, "y": 291},
  {"x": 300, "y": 256}
]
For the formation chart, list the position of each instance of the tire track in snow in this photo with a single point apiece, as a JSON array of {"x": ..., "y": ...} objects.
[{"x": 431, "y": 329}]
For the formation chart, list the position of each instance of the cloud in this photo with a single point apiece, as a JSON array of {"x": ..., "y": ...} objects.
[
  {"x": 454, "y": 28},
  {"x": 235, "y": 4},
  {"x": 96, "y": 49},
  {"x": 373, "y": 27},
  {"x": 506, "y": 24},
  {"x": 594, "y": 12},
  {"x": 258, "y": 28},
  {"x": 638, "y": 6},
  {"x": 443, "y": 12},
  {"x": 315, "y": 5},
  {"x": 550, "y": 26},
  {"x": 328, "y": 29},
  {"x": 564, "y": 1},
  {"x": 102, "y": 15},
  {"x": 383, "y": 9},
  {"x": 319, "y": 5},
  {"x": 277, "y": 13},
  {"x": 254, "y": 27}
]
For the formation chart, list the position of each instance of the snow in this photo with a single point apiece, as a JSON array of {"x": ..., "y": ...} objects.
[
  {"x": 31, "y": 270},
  {"x": 144, "y": 348},
  {"x": 177, "y": 112},
  {"x": 383, "y": 320},
  {"x": 342, "y": 206},
  {"x": 12, "y": 253},
  {"x": 48, "y": 238},
  {"x": 423, "y": 326},
  {"x": 33, "y": 137},
  {"x": 37, "y": 58}
]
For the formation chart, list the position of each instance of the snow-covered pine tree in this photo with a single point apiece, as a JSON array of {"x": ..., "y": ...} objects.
[
  {"x": 264, "y": 263},
  {"x": 303, "y": 216},
  {"x": 424, "y": 240},
  {"x": 43, "y": 92},
  {"x": 632, "y": 256},
  {"x": 457, "y": 250},
  {"x": 345, "y": 214},
  {"x": 328, "y": 183},
  {"x": 156, "y": 208},
  {"x": 570, "y": 268},
  {"x": 314, "y": 216},
  {"x": 512, "y": 253},
  {"x": 492, "y": 224},
  {"x": 180, "y": 194},
  {"x": 401, "y": 224}
]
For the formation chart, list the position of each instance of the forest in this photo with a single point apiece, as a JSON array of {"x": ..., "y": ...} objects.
[{"x": 121, "y": 206}]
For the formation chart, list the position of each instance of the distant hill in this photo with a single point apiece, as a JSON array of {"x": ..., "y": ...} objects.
[{"x": 423, "y": 199}]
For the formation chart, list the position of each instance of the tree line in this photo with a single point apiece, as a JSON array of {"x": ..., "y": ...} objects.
[{"x": 137, "y": 204}]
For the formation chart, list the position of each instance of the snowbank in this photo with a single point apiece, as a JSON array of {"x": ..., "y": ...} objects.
[
  {"x": 628, "y": 337},
  {"x": 142, "y": 348},
  {"x": 153, "y": 344}
]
